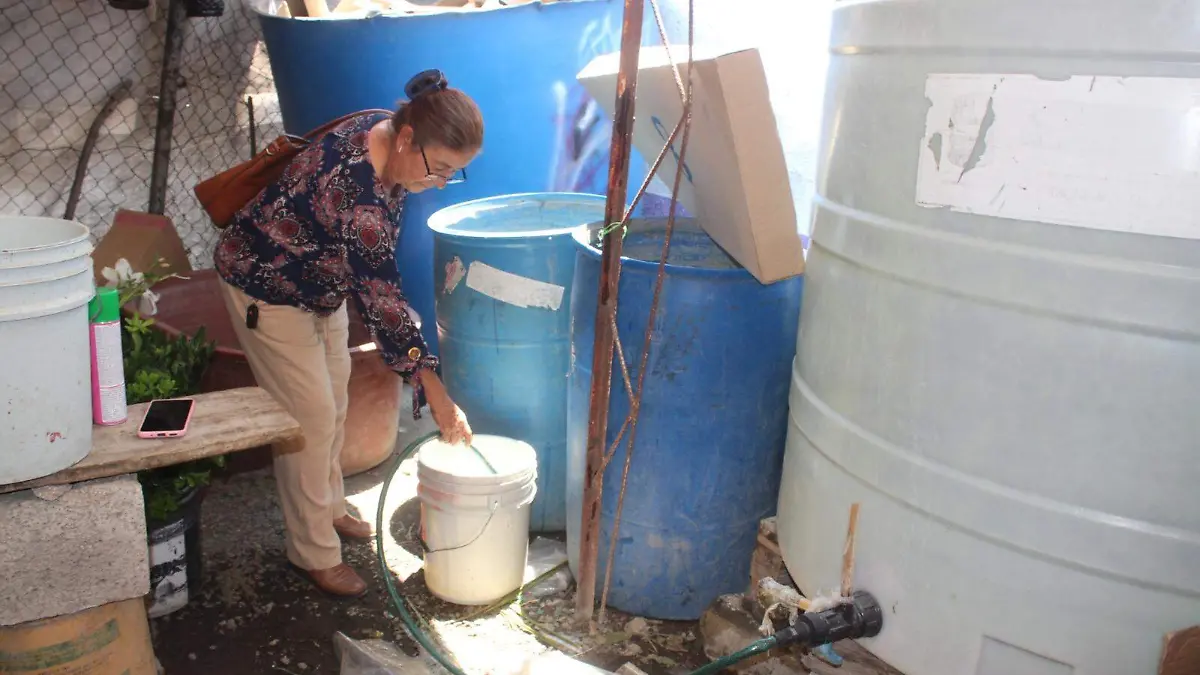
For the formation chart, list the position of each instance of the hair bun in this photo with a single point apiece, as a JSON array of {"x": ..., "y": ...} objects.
[{"x": 425, "y": 82}]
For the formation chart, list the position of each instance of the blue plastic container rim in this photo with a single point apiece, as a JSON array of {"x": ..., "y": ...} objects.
[
  {"x": 444, "y": 221},
  {"x": 268, "y": 8},
  {"x": 686, "y": 226}
]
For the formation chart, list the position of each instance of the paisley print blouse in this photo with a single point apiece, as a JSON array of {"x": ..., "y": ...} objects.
[{"x": 325, "y": 232}]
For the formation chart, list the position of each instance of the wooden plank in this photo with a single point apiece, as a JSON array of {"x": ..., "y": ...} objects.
[
  {"x": 1181, "y": 653},
  {"x": 767, "y": 559},
  {"x": 848, "y": 553},
  {"x": 223, "y": 422}
]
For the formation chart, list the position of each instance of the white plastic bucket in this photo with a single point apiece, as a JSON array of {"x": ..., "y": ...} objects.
[
  {"x": 45, "y": 383},
  {"x": 475, "y": 517}
]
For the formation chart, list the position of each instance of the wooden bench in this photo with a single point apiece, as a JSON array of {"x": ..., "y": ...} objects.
[{"x": 223, "y": 422}]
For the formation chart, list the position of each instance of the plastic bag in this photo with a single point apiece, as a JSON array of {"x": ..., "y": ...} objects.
[
  {"x": 378, "y": 657},
  {"x": 545, "y": 555}
]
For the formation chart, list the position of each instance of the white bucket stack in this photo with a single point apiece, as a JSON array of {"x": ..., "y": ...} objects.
[
  {"x": 475, "y": 516},
  {"x": 45, "y": 384}
]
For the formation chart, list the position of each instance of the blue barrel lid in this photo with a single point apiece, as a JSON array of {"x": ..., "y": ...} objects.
[{"x": 530, "y": 214}]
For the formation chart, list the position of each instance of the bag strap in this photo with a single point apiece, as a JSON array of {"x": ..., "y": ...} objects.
[{"x": 325, "y": 128}]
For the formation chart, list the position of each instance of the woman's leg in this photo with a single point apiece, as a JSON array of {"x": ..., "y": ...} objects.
[
  {"x": 337, "y": 359},
  {"x": 287, "y": 354},
  {"x": 337, "y": 363}
]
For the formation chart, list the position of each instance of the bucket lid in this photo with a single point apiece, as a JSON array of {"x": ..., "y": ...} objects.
[
  {"x": 489, "y": 460},
  {"x": 105, "y": 306}
]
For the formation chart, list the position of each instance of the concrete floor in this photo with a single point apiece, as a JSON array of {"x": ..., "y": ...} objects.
[{"x": 253, "y": 616}]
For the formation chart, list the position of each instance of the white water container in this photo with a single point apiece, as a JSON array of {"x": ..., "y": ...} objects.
[
  {"x": 475, "y": 516},
  {"x": 999, "y": 349},
  {"x": 45, "y": 383}
]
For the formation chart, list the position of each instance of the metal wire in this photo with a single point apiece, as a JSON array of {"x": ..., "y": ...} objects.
[
  {"x": 636, "y": 399},
  {"x": 68, "y": 57}
]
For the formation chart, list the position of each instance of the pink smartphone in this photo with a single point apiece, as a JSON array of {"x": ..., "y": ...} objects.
[{"x": 167, "y": 418}]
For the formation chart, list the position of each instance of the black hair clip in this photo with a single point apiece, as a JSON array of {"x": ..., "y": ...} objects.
[{"x": 425, "y": 82}]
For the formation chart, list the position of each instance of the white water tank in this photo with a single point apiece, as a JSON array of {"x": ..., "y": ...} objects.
[{"x": 999, "y": 350}]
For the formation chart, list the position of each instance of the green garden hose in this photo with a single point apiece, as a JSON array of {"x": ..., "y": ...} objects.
[
  {"x": 414, "y": 628},
  {"x": 755, "y": 648},
  {"x": 398, "y": 600}
]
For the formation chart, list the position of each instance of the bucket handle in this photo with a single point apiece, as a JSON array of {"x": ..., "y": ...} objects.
[{"x": 491, "y": 514}]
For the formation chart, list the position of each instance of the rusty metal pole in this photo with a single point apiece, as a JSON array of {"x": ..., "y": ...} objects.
[
  {"x": 606, "y": 307},
  {"x": 168, "y": 87}
]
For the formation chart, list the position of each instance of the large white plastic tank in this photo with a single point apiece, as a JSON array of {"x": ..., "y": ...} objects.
[{"x": 999, "y": 350}]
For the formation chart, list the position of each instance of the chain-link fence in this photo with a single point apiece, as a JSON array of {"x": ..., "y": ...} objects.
[{"x": 62, "y": 60}]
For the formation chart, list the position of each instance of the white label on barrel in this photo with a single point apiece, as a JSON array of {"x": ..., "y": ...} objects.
[
  {"x": 1101, "y": 152},
  {"x": 109, "y": 366},
  {"x": 513, "y": 289}
]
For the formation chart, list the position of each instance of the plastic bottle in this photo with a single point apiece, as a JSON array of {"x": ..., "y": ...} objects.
[{"x": 108, "y": 369}]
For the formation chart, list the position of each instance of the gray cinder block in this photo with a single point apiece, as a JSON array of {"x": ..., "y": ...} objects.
[{"x": 60, "y": 554}]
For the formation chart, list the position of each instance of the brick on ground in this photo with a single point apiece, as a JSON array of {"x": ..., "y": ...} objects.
[{"x": 67, "y": 552}]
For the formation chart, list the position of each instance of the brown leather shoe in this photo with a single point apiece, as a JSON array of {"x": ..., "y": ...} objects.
[
  {"x": 340, "y": 581},
  {"x": 352, "y": 528}
]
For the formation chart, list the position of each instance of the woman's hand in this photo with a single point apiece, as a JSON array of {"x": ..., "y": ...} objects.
[{"x": 451, "y": 420}]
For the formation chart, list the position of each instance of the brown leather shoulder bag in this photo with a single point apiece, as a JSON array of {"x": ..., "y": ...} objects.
[{"x": 226, "y": 193}]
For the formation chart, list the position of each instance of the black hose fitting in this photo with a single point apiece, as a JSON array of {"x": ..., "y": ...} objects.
[{"x": 863, "y": 617}]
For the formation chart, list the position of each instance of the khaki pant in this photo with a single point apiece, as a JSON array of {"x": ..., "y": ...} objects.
[{"x": 303, "y": 361}]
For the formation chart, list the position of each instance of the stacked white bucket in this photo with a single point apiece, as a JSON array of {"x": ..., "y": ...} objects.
[
  {"x": 475, "y": 504},
  {"x": 46, "y": 281}
]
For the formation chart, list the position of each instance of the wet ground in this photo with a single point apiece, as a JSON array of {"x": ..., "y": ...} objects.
[{"x": 253, "y": 616}]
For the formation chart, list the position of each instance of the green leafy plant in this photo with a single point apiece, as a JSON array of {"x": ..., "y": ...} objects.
[{"x": 159, "y": 366}]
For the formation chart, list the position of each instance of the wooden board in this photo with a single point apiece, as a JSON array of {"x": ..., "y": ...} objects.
[
  {"x": 1181, "y": 653},
  {"x": 223, "y": 422}
]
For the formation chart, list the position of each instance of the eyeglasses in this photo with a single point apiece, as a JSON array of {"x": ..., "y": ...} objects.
[{"x": 457, "y": 177}]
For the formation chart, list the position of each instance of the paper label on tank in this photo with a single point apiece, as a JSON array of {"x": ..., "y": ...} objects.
[
  {"x": 513, "y": 289},
  {"x": 1101, "y": 152}
]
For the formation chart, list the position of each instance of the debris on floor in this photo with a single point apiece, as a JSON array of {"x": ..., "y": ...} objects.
[
  {"x": 547, "y": 558},
  {"x": 251, "y": 616},
  {"x": 736, "y": 620},
  {"x": 730, "y": 624},
  {"x": 556, "y": 663},
  {"x": 378, "y": 657}
]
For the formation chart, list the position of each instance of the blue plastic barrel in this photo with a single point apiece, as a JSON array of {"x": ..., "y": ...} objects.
[
  {"x": 544, "y": 133},
  {"x": 713, "y": 422},
  {"x": 503, "y": 270}
]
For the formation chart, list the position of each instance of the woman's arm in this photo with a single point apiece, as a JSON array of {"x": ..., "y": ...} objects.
[
  {"x": 375, "y": 283},
  {"x": 449, "y": 417}
]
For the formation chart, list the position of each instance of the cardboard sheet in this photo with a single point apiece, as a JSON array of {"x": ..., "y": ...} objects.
[{"x": 735, "y": 176}]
